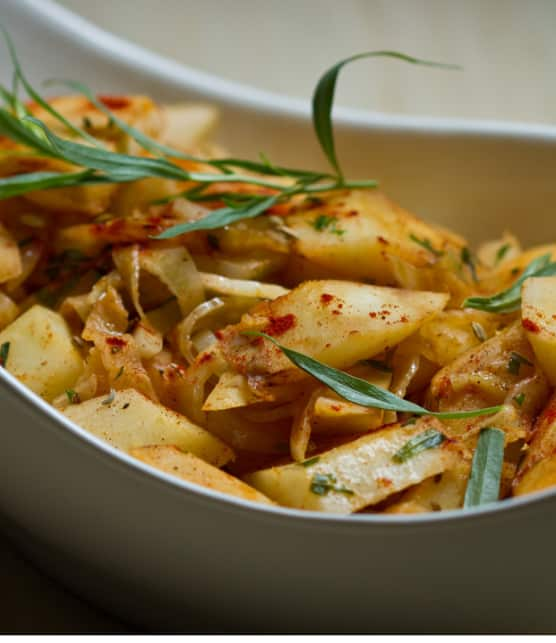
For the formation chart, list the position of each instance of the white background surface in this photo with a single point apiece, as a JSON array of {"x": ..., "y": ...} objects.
[{"x": 507, "y": 49}]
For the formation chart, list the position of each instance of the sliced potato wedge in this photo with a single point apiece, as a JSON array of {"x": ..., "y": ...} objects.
[
  {"x": 131, "y": 420},
  {"x": 191, "y": 468},
  {"x": 354, "y": 475},
  {"x": 336, "y": 322},
  {"x": 538, "y": 318},
  {"x": 41, "y": 352}
]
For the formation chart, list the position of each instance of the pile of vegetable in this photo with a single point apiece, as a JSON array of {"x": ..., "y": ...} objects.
[{"x": 286, "y": 336}]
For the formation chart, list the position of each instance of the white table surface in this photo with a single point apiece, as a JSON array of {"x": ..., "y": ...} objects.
[{"x": 508, "y": 51}]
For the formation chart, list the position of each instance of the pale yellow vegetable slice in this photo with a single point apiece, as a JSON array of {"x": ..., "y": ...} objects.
[
  {"x": 360, "y": 473},
  {"x": 188, "y": 125},
  {"x": 241, "y": 287},
  {"x": 336, "y": 322},
  {"x": 128, "y": 420},
  {"x": 500, "y": 371},
  {"x": 191, "y": 468},
  {"x": 442, "y": 492},
  {"x": 538, "y": 469},
  {"x": 10, "y": 258},
  {"x": 538, "y": 318},
  {"x": 41, "y": 352},
  {"x": 362, "y": 234},
  {"x": 231, "y": 391},
  {"x": 8, "y": 310}
]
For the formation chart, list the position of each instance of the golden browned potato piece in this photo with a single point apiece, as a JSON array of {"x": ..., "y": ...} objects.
[
  {"x": 500, "y": 371},
  {"x": 363, "y": 235},
  {"x": 127, "y": 420},
  {"x": 336, "y": 322},
  {"x": 538, "y": 318},
  {"x": 191, "y": 468},
  {"x": 538, "y": 469},
  {"x": 355, "y": 475},
  {"x": 41, "y": 352}
]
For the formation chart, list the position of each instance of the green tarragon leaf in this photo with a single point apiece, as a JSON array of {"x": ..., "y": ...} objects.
[
  {"x": 360, "y": 391},
  {"x": 4, "y": 352},
  {"x": 483, "y": 485},
  {"x": 221, "y": 217},
  {"x": 509, "y": 300},
  {"x": 323, "y": 98},
  {"x": 429, "y": 439}
]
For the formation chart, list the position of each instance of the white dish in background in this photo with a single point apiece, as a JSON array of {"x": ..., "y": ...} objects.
[{"x": 168, "y": 555}]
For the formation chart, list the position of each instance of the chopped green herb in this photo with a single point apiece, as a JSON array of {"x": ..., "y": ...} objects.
[
  {"x": 73, "y": 396},
  {"x": 115, "y": 349},
  {"x": 519, "y": 399},
  {"x": 501, "y": 253},
  {"x": 111, "y": 397},
  {"x": 4, "y": 352},
  {"x": 309, "y": 462},
  {"x": 323, "y": 483},
  {"x": 410, "y": 420},
  {"x": 427, "y": 245},
  {"x": 479, "y": 331},
  {"x": 119, "y": 373},
  {"x": 87, "y": 123},
  {"x": 516, "y": 360},
  {"x": 483, "y": 485},
  {"x": 325, "y": 222},
  {"x": 429, "y": 439},
  {"x": 467, "y": 260}
]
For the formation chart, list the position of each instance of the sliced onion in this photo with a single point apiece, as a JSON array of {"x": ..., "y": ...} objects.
[
  {"x": 241, "y": 287},
  {"x": 187, "y": 326},
  {"x": 176, "y": 270}
]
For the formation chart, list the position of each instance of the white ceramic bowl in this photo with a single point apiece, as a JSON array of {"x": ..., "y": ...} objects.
[{"x": 169, "y": 555}]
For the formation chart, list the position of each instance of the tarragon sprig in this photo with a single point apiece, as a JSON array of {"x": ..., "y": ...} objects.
[{"x": 101, "y": 165}]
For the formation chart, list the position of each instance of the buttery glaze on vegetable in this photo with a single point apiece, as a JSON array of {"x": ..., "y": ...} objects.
[{"x": 155, "y": 345}]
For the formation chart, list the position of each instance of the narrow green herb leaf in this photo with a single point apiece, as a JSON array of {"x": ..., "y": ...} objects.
[
  {"x": 483, "y": 485},
  {"x": 330, "y": 224},
  {"x": 221, "y": 217},
  {"x": 479, "y": 331},
  {"x": 73, "y": 396},
  {"x": 310, "y": 462},
  {"x": 323, "y": 99},
  {"x": 427, "y": 245},
  {"x": 361, "y": 392},
  {"x": 323, "y": 483},
  {"x": 509, "y": 300},
  {"x": 519, "y": 399},
  {"x": 429, "y": 439},
  {"x": 37, "y": 97},
  {"x": 119, "y": 373},
  {"x": 501, "y": 253},
  {"x": 467, "y": 260},
  {"x": 4, "y": 352},
  {"x": 145, "y": 141},
  {"x": 25, "y": 183},
  {"x": 516, "y": 360}
]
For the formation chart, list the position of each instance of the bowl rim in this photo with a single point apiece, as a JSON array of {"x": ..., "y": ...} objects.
[{"x": 104, "y": 45}]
